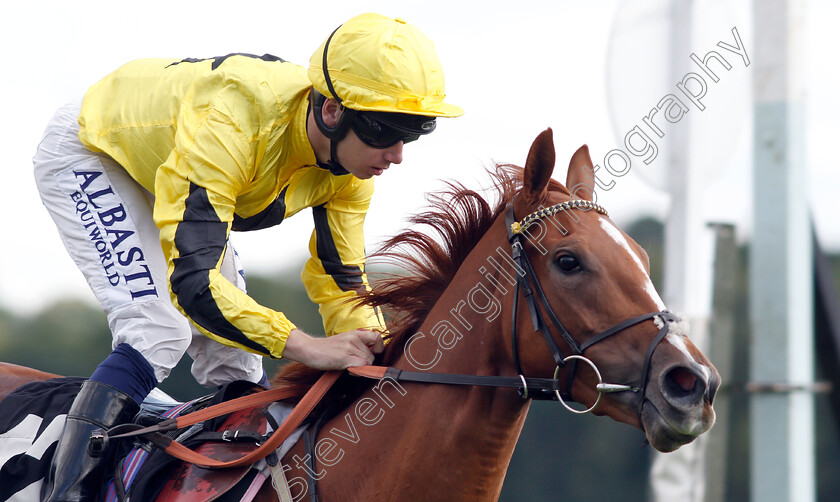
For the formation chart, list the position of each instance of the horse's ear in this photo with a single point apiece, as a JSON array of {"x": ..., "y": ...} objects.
[
  {"x": 580, "y": 180},
  {"x": 538, "y": 168}
]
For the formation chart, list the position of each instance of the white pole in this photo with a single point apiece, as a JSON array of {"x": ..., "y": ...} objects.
[
  {"x": 781, "y": 298},
  {"x": 688, "y": 264}
]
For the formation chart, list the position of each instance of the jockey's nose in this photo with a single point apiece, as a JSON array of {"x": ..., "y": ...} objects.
[{"x": 393, "y": 154}]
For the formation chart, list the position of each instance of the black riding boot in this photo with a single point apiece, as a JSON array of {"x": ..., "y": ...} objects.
[{"x": 76, "y": 475}]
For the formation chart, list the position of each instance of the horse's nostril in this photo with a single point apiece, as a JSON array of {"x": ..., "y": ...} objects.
[
  {"x": 684, "y": 378},
  {"x": 683, "y": 385}
]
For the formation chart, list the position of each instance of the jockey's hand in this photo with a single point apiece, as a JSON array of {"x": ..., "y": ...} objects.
[{"x": 337, "y": 352}]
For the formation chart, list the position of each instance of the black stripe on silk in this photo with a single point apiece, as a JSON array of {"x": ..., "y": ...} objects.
[
  {"x": 218, "y": 60},
  {"x": 200, "y": 239},
  {"x": 347, "y": 277},
  {"x": 268, "y": 217}
]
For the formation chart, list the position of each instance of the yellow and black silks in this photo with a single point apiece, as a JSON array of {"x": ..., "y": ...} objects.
[{"x": 222, "y": 145}]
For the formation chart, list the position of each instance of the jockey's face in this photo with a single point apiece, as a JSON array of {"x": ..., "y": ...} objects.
[
  {"x": 364, "y": 161},
  {"x": 359, "y": 158}
]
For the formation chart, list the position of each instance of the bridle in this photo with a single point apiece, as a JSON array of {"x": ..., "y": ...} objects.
[{"x": 528, "y": 282}]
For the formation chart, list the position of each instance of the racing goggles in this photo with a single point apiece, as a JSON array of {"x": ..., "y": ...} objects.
[{"x": 384, "y": 129}]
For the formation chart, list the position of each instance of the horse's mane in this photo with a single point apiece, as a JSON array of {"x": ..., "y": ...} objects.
[{"x": 460, "y": 217}]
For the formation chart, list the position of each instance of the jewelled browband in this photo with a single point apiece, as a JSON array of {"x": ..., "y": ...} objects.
[{"x": 520, "y": 226}]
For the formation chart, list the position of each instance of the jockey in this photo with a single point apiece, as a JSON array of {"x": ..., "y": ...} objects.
[{"x": 147, "y": 175}]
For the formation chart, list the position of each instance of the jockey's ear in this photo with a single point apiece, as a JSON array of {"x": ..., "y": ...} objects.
[
  {"x": 538, "y": 169},
  {"x": 330, "y": 112},
  {"x": 580, "y": 180}
]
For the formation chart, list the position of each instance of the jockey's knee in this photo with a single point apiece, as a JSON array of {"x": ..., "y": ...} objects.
[{"x": 156, "y": 330}]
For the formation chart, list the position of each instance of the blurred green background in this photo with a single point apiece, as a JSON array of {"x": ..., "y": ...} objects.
[{"x": 559, "y": 456}]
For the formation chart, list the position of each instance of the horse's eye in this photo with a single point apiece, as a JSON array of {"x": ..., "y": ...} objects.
[{"x": 568, "y": 263}]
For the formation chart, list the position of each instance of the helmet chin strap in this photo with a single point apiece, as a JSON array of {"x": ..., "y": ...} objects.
[
  {"x": 333, "y": 164},
  {"x": 339, "y": 131},
  {"x": 335, "y": 133}
]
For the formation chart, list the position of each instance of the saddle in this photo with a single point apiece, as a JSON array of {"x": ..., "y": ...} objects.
[
  {"x": 32, "y": 418},
  {"x": 148, "y": 473},
  {"x": 228, "y": 432}
]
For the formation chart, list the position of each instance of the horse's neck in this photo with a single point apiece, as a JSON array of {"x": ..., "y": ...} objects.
[
  {"x": 466, "y": 434},
  {"x": 404, "y": 441}
]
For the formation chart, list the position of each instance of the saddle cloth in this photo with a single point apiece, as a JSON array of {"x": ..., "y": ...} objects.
[{"x": 32, "y": 419}]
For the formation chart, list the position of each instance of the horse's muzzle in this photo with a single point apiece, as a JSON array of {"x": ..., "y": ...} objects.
[{"x": 683, "y": 409}]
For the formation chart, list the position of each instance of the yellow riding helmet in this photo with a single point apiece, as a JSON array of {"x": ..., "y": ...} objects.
[{"x": 375, "y": 63}]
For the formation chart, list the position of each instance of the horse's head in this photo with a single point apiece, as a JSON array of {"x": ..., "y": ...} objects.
[{"x": 593, "y": 294}]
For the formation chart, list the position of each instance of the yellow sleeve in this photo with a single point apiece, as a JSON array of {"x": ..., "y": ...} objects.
[
  {"x": 335, "y": 272},
  {"x": 212, "y": 161}
]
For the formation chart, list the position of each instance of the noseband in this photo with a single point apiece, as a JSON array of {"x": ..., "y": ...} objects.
[{"x": 529, "y": 284}]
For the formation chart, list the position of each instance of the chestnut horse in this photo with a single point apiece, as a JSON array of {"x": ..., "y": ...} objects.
[
  {"x": 13, "y": 376},
  {"x": 539, "y": 295}
]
